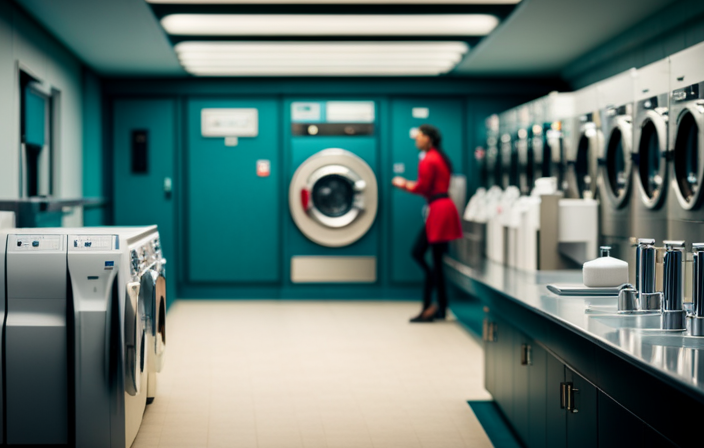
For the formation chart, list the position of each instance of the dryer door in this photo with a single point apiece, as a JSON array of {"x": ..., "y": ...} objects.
[
  {"x": 153, "y": 293},
  {"x": 652, "y": 159},
  {"x": 135, "y": 352},
  {"x": 617, "y": 162},
  {"x": 689, "y": 157},
  {"x": 333, "y": 198}
]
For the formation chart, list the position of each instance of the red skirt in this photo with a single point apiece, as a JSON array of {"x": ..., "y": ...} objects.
[{"x": 443, "y": 223}]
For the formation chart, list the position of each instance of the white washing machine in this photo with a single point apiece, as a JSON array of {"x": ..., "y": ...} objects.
[
  {"x": 615, "y": 97},
  {"x": 650, "y": 154},
  {"x": 98, "y": 374},
  {"x": 686, "y": 136},
  {"x": 581, "y": 154}
]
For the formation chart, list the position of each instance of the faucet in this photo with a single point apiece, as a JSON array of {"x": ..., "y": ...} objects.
[
  {"x": 643, "y": 297},
  {"x": 673, "y": 314},
  {"x": 697, "y": 327}
]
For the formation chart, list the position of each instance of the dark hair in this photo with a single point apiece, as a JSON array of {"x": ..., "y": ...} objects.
[{"x": 436, "y": 140}]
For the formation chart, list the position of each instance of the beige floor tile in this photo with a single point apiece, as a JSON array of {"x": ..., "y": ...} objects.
[{"x": 314, "y": 374}]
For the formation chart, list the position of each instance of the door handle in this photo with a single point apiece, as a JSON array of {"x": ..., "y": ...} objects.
[
  {"x": 567, "y": 400},
  {"x": 168, "y": 187},
  {"x": 524, "y": 354}
]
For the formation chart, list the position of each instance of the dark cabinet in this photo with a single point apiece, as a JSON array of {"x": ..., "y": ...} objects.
[
  {"x": 521, "y": 389},
  {"x": 581, "y": 409},
  {"x": 537, "y": 396},
  {"x": 556, "y": 418},
  {"x": 618, "y": 427}
]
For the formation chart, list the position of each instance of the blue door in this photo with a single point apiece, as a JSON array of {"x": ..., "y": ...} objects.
[
  {"x": 406, "y": 209},
  {"x": 144, "y": 148},
  {"x": 234, "y": 204}
]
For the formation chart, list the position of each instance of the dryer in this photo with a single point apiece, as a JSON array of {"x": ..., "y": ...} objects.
[
  {"x": 581, "y": 154},
  {"x": 650, "y": 154},
  {"x": 333, "y": 193},
  {"x": 99, "y": 368},
  {"x": 686, "y": 137},
  {"x": 615, "y": 101}
]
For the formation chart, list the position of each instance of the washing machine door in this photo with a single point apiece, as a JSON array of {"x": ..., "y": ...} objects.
[
  {"x": 135, "y": 353},
  {"x": 688, "y": 156},
  {"x": 524, "y": 153},
  {"x": 333, "y": 198},
  {"x": 153, "y": 293},
  {"x": 652, "y": 159},
  {"x": 616, "y": 161},
  {"x": 585, "y": 163},
  {"x": 553, "y": 155}
]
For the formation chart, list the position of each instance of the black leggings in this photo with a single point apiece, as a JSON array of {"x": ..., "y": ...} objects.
[{"x": 435, "y": 277}]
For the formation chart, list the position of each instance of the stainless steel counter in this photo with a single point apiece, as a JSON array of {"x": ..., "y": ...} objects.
[{"x": 674, "y": 357}]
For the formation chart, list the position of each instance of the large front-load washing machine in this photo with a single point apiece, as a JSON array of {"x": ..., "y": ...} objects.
[
  {"x": 615, "y": 101},
  {"x": 84, "y": 374},
  {"x": 686, "y": 135},
  {"x": 581, "y": 155},
  {"x": 650, "y": 154},
  {"x": 558, "y": 128},
  {"x": 333, "y": 193}
]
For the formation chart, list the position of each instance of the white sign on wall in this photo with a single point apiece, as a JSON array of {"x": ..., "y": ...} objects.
[
  {"x": 229, "y": 122},
  {"x": 420, "y": 112},
  {"x": 349, "y": 112}
]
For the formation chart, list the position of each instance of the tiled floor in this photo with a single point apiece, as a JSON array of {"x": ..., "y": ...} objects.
[{"x": 314, "y": 374}]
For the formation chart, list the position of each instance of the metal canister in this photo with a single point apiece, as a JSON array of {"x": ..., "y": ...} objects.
[
  {"x": 673, "y": 314},
  {"x": 697, "y": 322}
]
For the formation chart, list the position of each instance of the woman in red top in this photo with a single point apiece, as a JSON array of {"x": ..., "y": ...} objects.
[{"x": 442, "y": 223}]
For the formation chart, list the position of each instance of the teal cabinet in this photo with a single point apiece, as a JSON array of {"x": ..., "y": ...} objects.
[
  {"x": 233, "y": 215},
  {"x": 521, "y": 391},
  {"x": 406, "y": 209},
  {"x": 144, "y": 153}
]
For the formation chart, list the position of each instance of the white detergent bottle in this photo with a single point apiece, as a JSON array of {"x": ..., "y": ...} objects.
[{"x": 605, "y": 270}]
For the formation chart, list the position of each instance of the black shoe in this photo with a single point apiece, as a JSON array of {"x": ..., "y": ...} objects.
[
  {"x": 441, "y": 315},
  {"x": 421, "y": 319}
]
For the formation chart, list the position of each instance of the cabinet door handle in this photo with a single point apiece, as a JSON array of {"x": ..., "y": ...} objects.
[
  {"x": 524, "y": 354},
  {"x": 485, "y": 330},
  {"x": 563, "y": 395},
  {"x": 573, "y": 402},
  {"x": 529, "y": 355}
]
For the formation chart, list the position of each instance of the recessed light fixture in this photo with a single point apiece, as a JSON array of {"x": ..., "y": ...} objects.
[
  {"x": 319, "y": 58},
  {"x": 341, "y": 2},
  {"x": 329, "y": 24}
]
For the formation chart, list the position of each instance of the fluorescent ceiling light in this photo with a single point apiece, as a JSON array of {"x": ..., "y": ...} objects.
[
  {"x": 319, "y": 58},
  {"x": 318, "y": 71},
  {"x": 329, "y": 24},
  {"x": 341, "y": 2}
]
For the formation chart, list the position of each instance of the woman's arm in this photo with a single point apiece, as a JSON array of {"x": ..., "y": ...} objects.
[{"x": 425, "y": 179}]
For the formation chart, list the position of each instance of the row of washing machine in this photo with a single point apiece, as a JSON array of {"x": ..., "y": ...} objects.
[
  {"x": 84, "y": 333},
  {"x": 634, "y": 142}
]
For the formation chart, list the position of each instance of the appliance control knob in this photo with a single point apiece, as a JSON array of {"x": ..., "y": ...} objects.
[
  {"x": 35, "y": 243},
  {"x": 19, "y": 243}
]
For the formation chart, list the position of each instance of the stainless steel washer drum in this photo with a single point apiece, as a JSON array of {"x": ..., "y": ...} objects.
[{"x": 333, "y": 197}]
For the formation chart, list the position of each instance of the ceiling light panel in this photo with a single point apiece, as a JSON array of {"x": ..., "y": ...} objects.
[
  {"x": 329, "y": 24},
  {"x": 336, "y": 2},
  {"x": 319, "y": 58}
]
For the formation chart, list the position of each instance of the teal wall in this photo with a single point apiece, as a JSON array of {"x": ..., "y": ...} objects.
[
  {"x": 678, "y": 26},
  {"x": 93, "y": 178},
  {"x": 234, "y": 244}
]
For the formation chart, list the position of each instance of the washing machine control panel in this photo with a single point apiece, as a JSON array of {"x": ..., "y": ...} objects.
[
  {"x": 29, "y": 243},
  {"x": 92, "y": 242}
]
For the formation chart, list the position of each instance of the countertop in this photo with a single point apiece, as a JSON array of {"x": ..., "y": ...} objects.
[{"x": 670, "y": 355}]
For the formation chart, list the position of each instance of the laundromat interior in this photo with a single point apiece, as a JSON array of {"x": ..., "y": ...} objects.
[{"x": 351, "y": 223}]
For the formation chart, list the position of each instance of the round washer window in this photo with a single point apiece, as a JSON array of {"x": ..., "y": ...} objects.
[
  {"x": 650, "y": 161},
  {"x": 584, "y": 179},
  {"x": 687, "y": 157},
  {"x": 333, "y": 195},
  {"x": 616, "y": 164}
]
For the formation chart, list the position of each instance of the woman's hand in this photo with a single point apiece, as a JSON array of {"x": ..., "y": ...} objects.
[{"x": 399, "y": 182}]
